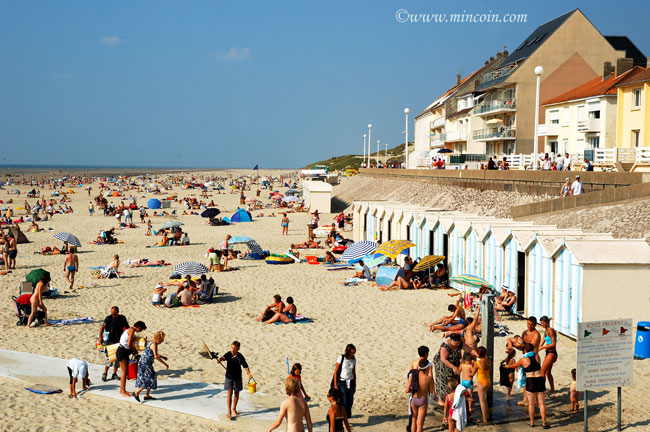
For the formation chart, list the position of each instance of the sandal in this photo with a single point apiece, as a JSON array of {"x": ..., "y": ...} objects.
[
  {"x": 149, "y": 398},
  {"x": 104, "y": 377},
  {"x": 546, "y": 425}
]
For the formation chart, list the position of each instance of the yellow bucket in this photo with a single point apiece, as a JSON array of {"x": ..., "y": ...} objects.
[{"x": 252, "y": 385}]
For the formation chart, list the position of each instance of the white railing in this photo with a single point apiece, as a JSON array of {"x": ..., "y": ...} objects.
[
  {"x": 589, "y": 125},
  {"x": 643, "y": 155},
  {"x": 424, "y": 162},
  {"x": 518, "y": 160},
  {"x": 548, "y": 129},
  {"x": 440, "y": 121},
  {"x": 605, "y": 156},
  {"x": 626, "y": 155}
]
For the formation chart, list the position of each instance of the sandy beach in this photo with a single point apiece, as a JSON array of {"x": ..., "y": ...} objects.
[{"x": 386, "y": 327}]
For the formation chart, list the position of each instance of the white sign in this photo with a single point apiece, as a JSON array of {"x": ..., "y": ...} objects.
[{"x": 605, "y": 354}]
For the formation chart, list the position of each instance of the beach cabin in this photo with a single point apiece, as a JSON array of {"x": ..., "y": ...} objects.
[
  {"x": 599, "y": 279},
  {"x": 318, "y": 196}
]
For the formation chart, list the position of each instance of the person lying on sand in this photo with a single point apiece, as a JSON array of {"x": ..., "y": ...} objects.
[
  {"x": 452, "y": 322},
  {"x": 146, "y": 263},
  {"x": 400, "y": 283},
  {"x": 309, "y": 244}
]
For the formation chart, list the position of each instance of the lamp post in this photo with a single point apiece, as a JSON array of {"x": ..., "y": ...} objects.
[
  {"x": 363, "y": 161},
  {"x": 406, "y": 138},
  {"x": 538, "y": 71},
  {"x": 369, "y": 131},
  {"x": 377, "y": 153},
  {"x": 386, "y": 158}
]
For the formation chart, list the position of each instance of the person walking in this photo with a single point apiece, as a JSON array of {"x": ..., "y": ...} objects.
[
  {"x": 109, "y": 333},
  {"x": 70, "y": 265},
  {"x": 224, "y": 252},
  {"x": 285, "y": 224},
  {"x": 146, "y": 378},
  {"x": 235, "y": 361},
  {"x": 294, "y": 408},
  {"x": 124, "y": 351},
  {"x": 345, "y": 377},
  {"x": 36, "y": 300},
  {"x": 447, "y": 364}
]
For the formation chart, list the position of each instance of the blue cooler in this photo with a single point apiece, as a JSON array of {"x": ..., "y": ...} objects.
[{"x": 642, "y": 344}]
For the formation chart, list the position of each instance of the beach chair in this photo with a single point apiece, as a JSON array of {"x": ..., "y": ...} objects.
[
  {"x": 110, "y": 274},
  {"x": 25, "y": 288}
]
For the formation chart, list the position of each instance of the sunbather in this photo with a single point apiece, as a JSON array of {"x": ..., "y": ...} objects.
[
  {"x": 286, "y": 315},
  {"x": 309, "y": 244}
]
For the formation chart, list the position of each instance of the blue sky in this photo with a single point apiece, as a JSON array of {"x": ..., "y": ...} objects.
[{"x": 232, "y": 84}]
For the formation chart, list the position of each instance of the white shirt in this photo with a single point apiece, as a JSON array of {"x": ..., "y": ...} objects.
[
  {"x": 79, "y": 368},
  {"x": 577, "y": 188},
  {"x": 347, "y": 366},
  {"x": 567, "y": 161}
]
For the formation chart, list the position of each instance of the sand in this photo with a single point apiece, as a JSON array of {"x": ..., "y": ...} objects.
[{"x": 386, "y": 328}]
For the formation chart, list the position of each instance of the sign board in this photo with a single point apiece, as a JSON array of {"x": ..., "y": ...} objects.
[{"x": 605, "y": 354}]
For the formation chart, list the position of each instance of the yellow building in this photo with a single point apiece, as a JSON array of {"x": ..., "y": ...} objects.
[{"x": 633, "y": 116}]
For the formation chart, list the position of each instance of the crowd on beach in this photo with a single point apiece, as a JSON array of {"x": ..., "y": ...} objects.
[{"x": 446, "y": 382}]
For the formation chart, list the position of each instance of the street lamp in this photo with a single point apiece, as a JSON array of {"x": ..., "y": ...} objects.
[
  {"x": 377, "y": 153},
  {"x": 406, "y": 139},
  {"x": 369, "y": 131},
  {"x": 386, "y": 158},
  {"x": 363, "y": 161},
  {"x": 538, "y": 71}
]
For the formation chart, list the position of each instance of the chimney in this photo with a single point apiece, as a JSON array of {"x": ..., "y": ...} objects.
[
  {"x": 607, "y": 70},
  {"x": 491, "y": 59},
  {"x": 505, "y": 52},
  {"x": 623, "y": 65},
  {"x": 498, "y": 55},
  {"x": 457, "y": 79},
  {"x": 487, "y": 62}
]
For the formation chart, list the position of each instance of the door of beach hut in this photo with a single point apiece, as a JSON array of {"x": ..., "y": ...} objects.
[
  {"x": 423, "y": 240},
  {"x": 430, "y": 244},
  {"x": 474, "y": 254},
  {"x": 568, "y": 290},
  {"x": 456, "y": 253},
  {"x": 539, "y": 273},
  {"x": 493, "y": 261},
  {"x": 370, "y": 233},
  {"x": 510, "y": 260}
]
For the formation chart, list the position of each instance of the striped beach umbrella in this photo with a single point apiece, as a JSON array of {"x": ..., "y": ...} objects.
[
  {"x": 428, "y": 262},
  {"x": 358, "y": 250},
  {"x": 471, "y": 281},
  {"x": 68, "y": 238},
  {"x": 254, "y": 247},
  {"x": 392, "y": 248},
  {"x": 190, "y": 268}
]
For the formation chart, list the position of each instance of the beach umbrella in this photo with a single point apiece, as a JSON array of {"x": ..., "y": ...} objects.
[
  {"x": 392, "y": 248},
  {"x": 254, "y": 247},
  {"x": 290, "y": 198},
  {"x": 373, "y": 260},
  {"x": 428, "y": 262},
  {"x": 154, "y": 204},
  {"x": 210, "y": 212},
  {"x": 240, "y": 239},
  {"x": 445, "y": 150},
  {"x": 36, "y": 275},
  {"x": 358, "y": 250},
  {"x": 471, "y": 281},
  {"x": 292, "y": 192},
  {"x": 171, "y": 224},
  {"x": 190, "y": 268},
  {"x": 68, "y": 238}
]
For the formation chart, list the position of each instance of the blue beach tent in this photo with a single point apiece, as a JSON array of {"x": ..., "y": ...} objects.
[{"x": 241, "y": 215}]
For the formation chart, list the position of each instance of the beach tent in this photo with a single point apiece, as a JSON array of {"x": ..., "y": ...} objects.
[
  {"x": 18, "y": 235},
  {"x": 154, "y": 204},
  {"x": 241, "y": 215}
]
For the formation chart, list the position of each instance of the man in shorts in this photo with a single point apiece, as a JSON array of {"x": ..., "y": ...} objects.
[
  {"x": 109, "y": 334},
  {"x": 235, "y": 361}
]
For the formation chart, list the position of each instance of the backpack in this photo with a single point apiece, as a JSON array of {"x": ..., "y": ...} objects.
[{"x": 415, "y": 380}]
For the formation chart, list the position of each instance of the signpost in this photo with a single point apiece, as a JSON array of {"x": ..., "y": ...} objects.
[{"x": 605, "y": 355}]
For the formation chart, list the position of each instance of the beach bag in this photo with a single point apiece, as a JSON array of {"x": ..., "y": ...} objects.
[
  {"x": 111, "y": 352},
  {"x": 132, "y": 369},
  {"x": 338, "y": 372}
]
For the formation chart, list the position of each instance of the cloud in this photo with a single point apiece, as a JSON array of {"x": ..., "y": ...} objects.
[
  {"x": 235, "y": 54},
  {"x": 110, "y": 40}
]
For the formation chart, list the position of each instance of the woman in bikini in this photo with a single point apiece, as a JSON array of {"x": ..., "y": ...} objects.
[
  {"x": 482, "y": 369},
  {"x": 287, "y": 314},
  {"x": 285, "y": 224},
  {"x": 550, "y": 346},
  {"x": 535, "y": 386},
  {"x": 337, "y": 418}
]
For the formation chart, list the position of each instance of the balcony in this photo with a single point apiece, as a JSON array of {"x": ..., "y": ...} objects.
[
  {"x": 494, "y": 134},
  {"x": 548, "y": 129},
  {"x": 437, "y": 140},
  {"x": 589, "y": 125},
  {"x": 439, "y": 122},
  {"x": 455, "y": 137},
  {"x": 495, "y": 107}
]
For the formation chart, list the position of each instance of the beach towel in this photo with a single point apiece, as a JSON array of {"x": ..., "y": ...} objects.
[
  {"x": 300, "y": 319},
  {"x": 459, "y": 406},
  {"x": 71, "y": 321},
  {"x": 140, "y": 343}
]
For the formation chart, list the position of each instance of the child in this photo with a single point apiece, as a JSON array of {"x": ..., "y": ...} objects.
[
  {"x": 336, "y": 415},
  {"x": 157, "y": 299},
  {"x": 77, "y": 369},
  {"x": 575, "y": 394},
  {"x": 466, "y": 374},
  {"x": 296, "y": 373},
  {"x": 449, "y": 403},
  {"x": 285, "y": 224},
  {"x": 235, "y": 361},
  {"x": 506, "y": 375},
  {"x": 148, "y": 227}
]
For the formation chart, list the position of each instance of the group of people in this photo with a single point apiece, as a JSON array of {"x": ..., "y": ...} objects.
[
  {"x": 188, "y": 293},
  {"x": 279, "y": 311}
]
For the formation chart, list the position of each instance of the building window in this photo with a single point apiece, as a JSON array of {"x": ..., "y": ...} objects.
[
  {"x": 554, "y": 116},
  {"x": 565, "y": 145},
  {"x": 636, "y": 138},
  {"x": 636, "y": 98},
  {"x": 565, "y": 116},
  {"x": 594, "y": 142},
  {"x": 594, "y": 114},
  {"x": 553, "y": 147}
]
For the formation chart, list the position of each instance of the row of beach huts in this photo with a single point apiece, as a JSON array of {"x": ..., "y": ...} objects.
[{"x": 566, "y": 274}]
